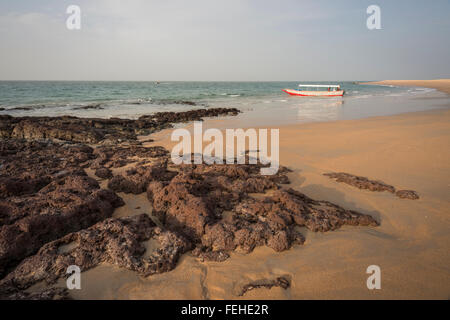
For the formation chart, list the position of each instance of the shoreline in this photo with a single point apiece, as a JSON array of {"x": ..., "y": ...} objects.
[
  {"x": 258, "y": 101},
  {"x": 411, "y": 244},
  {"x": 442, "y": 85}
]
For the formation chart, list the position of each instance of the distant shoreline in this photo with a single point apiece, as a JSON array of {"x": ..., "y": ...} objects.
[{"x": 439, "y": 84}]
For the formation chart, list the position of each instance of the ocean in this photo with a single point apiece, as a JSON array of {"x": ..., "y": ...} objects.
[{"x": 259, "y": 100}]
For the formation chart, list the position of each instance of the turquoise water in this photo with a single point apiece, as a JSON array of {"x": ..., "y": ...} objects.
[{"x": 132, "y": 99}]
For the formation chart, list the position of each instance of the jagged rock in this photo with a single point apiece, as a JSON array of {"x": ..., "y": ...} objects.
[
  {"x": 209, "y": 255},
  {"x": 120, "y": 242},
  {"x": 193, "y": 204},
  {"x": 118, "y": 156},
  {"x": 360, "y": 182},
  {"x": 191, "y": 115},
  {"x": 104, "y": 173},
  {"x": 53, "y": 215},
  {"x": 286, "y": 207},
  {"x": 137, "y": 179},
  {"x": 65, "y": 205},
  {"x": 46, "y": 294},
  {"x": 94, "y": 130},
  {"x": 28, "y": 166},
  {"x": 407, "y": 194},
  {"x": 279, "y": 241},
  {"x": 365, "y": 183}
]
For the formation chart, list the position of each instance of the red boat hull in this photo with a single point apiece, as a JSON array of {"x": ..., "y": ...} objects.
[{"x": 314, "y": 93}]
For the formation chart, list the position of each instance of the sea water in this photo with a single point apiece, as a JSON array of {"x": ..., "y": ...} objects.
[{"x": 263, "y": 102}]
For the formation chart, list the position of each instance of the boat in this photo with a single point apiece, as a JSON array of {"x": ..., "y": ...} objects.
[{"x": 314, "y": 90}]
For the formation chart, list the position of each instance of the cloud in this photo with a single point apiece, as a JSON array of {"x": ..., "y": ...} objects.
[{"x": 206, "y": 40}]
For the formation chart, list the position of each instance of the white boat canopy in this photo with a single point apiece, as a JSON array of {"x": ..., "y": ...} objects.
[{"x": 319, "y": 86}]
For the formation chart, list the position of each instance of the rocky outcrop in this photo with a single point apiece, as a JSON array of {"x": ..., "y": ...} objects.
[
  {"x": 53, "y": 215},
  {"x": 65, "y": 205},
  {"x": 407, "y": 194},
  {"x": 120, "y": 242},
  {"x": 212, "y": 206},
  {"x": 45, "y": 294},
  {"x": 119, "y": 156},
  {"x": 94, "y": 130},
  {"x": 137, "y": 179},
  {"x": 28, "y": 166},
  {"x": 371, "y": 185},
  {"x": 103, "y": 173},
  {"x": 191, "y": 115},
  {"x": 45, "y": 194},
  {"x": 360, "y": 182}
]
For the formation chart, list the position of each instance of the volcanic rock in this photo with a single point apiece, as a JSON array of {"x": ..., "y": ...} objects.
[
  {"x": 360, "y": 182},
  {"x": 119, "y": 242},
  {"x": 365, "y": 183},
  {"x": 94, "y": 130},
  {"x": 407, "y": 194},
  {"x": 194, "y": 201},
  {"x": 65, "y": 205}
]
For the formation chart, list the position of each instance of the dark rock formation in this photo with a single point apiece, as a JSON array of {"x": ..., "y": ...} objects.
[
  {"x": 24, "y": 108},
  {"x": 360, "y": 182},
  {"x": 46, "y": 294},
  {"x": 120, "y": 242},
  {"x": 89, "y": 106},
  {"x": 53, "y": 215},
  {"x": 282, "y": 282},
  {"x": 45, "y": 194},
  {"x": 138, "y": 178},
  {"x": 195, "y": 201},
  {"x": 93, "y": 130},
  {"x": 365, "y": 183},
  {"x": 116, "y": 157},
  {"x": 192, "y": 115},
  {"x": 162, "y": 102},
  {"x": 28, "y": 166},
  {"x": 104, "y": 173},
  {"x": 407, "y": 194},
  {"x": 65, "y": 205}
]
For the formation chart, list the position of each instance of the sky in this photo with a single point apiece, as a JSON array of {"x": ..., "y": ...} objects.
[{"x": 227, "y": 40}]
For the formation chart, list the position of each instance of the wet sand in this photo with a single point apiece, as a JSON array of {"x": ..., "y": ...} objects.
[{"x": 409, "y": 151}]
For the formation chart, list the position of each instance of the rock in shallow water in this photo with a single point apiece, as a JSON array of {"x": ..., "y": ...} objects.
[{"x": 95, "y": 130}]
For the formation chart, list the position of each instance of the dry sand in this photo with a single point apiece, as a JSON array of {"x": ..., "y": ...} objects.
[
  {"x": 439, "y": 84},
  {"x": 409, "y": 151}
]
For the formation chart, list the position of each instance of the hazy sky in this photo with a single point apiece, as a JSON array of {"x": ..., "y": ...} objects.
[{"x": 224, "y": 40}]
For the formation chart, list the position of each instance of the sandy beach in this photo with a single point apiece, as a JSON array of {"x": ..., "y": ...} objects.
[
  {"x": 439, "y": 84},
  {"x": 409, "y": 151},
  {"x": 410, "y": 246},
  {"x": 218, "y": 159}
]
